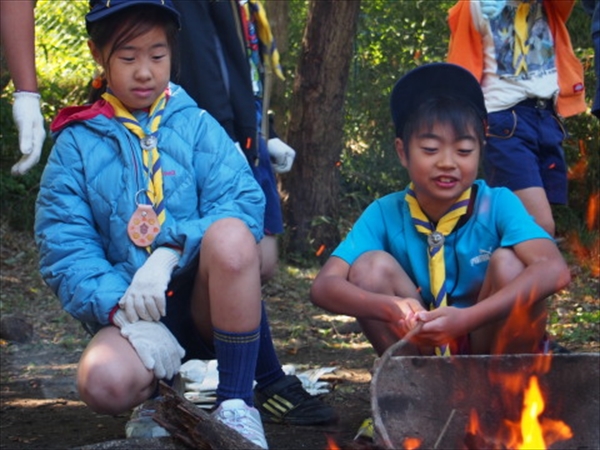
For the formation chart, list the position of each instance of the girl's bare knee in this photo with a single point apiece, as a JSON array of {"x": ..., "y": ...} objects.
[
  {"x": 100, "y": 389},
  {"x": 110, "y": 377},
  {"x": 229, "y": 245}
]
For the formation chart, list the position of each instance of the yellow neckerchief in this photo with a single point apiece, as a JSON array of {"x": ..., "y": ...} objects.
[
  {"x": 263, "y": 28},
  {"x": 148, "y": 142},
  {"x": 435, "y": 240},
  {"x": 521, "y": 49}
]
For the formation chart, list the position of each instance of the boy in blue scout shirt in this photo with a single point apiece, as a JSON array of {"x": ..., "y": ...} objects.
[{"x": 448, "y": 254}]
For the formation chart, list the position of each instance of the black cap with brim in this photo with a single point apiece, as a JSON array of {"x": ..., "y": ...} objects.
[
  {"x": 99, "y": 9},
  {"x": 433, "y": 80}
]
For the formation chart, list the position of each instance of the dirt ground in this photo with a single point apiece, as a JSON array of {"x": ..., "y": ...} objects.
[{"x": 40, "y": 409}]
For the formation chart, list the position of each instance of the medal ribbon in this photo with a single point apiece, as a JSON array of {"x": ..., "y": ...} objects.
[
  {"x": 148, "y": 142},
  {"x": 435, "y": 239}
]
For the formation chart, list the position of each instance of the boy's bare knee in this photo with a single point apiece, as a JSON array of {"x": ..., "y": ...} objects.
[
  {"x": 504, "y": 266},
  {"x": 372, "y": 270}
]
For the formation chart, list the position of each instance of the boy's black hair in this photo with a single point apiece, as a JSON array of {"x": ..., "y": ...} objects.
[
  {"x": 445, "y": 109},
  {"x": 127, "y": 25}
]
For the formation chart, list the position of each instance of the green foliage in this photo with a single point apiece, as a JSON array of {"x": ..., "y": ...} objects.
[
  {"x": 64, "y": 67},
  {"x": 393, "y": 37},
  {"x": 396, "y": 36}
]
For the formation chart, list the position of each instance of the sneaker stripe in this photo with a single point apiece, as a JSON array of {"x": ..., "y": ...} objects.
[{"x": 278, "y": 405}]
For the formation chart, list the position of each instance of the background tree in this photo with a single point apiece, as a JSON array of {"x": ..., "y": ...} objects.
[
  {"x": 336, "y": 175},
  {"x": 316, "y": 122}
]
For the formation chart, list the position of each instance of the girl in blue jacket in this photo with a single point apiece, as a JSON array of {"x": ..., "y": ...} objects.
[{"x": 147, "y": 223}]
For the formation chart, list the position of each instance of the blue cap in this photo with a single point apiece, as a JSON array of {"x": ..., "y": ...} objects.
[
  {"x": 431, "y": 80},
  {"x": 99, "y": 9}
]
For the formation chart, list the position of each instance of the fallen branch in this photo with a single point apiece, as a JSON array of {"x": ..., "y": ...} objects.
[{"x": 195, "y": 427}]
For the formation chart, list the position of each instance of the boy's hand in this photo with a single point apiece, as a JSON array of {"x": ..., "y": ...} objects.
[
  {"x": 441, "y": 325},
  {"x": 409, "y": 307},
  {"x": 492, "y": 8},
  {"x": 145, "y": 297},
  {"x": 154, "y": 343}
]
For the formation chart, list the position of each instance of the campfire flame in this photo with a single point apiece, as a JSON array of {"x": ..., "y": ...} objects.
[
  {"x": 411, "y": 443},
  {"x": 539, "y": 434},
  {"x": 531, "y": 432},
  {"x": 331, "y": 445}
]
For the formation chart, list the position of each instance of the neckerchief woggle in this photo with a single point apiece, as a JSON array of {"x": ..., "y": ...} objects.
[
  {"x": 146, "y": 221},
  {"x": 435, "y": 242}
]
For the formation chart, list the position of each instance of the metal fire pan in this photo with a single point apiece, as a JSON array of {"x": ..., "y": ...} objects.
[{"x": 430, "y": 398}]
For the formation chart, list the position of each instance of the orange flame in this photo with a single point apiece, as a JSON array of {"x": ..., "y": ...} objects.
[
  {"x": 578, "y": 170},
  {"x": 533, "y": 406},
  {"x": 331, "y": 445},
  {"x": 531, "y": 432},
  {"x": 411, "y": 443},
  {"x": 587, "y": 256},
  {"x": 592, "y": 211}
]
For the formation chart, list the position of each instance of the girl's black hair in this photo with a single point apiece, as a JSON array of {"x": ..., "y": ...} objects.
[
  {"x": 445, "y": 109},
  {"x": 123, "y": 27}
]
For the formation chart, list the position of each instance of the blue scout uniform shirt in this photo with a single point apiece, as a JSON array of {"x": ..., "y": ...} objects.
[{"x": 498, "y": 219}]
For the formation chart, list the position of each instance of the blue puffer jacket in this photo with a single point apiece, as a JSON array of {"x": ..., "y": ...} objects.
[{"x": 88, "y": 194}]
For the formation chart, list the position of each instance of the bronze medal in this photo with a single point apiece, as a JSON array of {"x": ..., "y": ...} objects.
[{"x": 143, "y": 227}]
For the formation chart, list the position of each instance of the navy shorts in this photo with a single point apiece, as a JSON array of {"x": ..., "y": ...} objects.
[
  {"x": 179, "y": 318},
  {"x": 263, "y": 173},
  {"x": 524, "y": 149}
]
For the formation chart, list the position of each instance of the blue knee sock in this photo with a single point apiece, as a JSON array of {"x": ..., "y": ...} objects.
[
  {"x": 236, "y": 359},
  {"x": 268, "y": 367}
]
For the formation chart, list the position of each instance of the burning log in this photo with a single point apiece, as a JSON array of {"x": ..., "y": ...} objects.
[
  {"x": 195, "y": 427},
  {"x": 517, "y": 398}
]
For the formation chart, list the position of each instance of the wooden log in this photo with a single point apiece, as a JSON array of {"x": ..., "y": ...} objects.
[{"x": 196, "y": 428}]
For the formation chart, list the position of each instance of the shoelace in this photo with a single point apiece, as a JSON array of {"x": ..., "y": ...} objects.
[{"x": 235, "y": 419}]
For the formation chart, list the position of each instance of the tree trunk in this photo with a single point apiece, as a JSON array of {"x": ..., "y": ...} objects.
[
  {"x": 316, "y": 126},
  {"x": 277, "y": 11}
]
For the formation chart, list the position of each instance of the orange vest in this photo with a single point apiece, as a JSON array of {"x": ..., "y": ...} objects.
[{"x": 466, "y": 50}]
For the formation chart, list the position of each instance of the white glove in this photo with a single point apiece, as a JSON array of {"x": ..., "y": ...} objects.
[
  {"x": 145, "y": 297},
  {"x": 154, "y": 343},
  {"x": 282, "y": 155},
  {"x": 492, "y": 8},
  {"x": 30, "y": 124}
]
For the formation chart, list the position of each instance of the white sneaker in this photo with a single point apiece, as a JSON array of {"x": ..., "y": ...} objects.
[
  {"x": 242, "y": 418},
  {"x": 141, "y": 424}
]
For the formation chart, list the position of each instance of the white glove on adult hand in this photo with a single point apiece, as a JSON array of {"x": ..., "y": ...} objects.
[
  {"x": 492, "y": 8},
  {"x": 145, "y": 297},
  {"x": 30, "y": 124},
  {"x": 282, "y": 155},
  {"x": 154, "y": 343}
]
